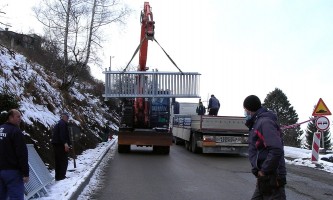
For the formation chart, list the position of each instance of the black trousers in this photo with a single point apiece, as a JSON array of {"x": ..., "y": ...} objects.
[
  {"x": 61, "y": 161},
  {"x": 277, "y": 194},
  {"x": 213, "y": 111}
]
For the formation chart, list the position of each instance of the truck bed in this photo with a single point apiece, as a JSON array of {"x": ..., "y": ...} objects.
[
  {"x": 211, "y": 134},
  {"x": 207, "y": 123}
]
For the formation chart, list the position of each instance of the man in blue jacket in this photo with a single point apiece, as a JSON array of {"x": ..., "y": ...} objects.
[
  {"x": 14, "y": 168},
  {"x": 61, "y": 142},
  {"x": 213, "y": 105},
  {"x": 266, "y": 152}
]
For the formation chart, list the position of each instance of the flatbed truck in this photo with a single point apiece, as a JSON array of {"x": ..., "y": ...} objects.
[{"x": 210, "y": 134}]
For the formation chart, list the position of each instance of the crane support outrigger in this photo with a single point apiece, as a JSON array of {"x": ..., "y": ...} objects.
[{"x": 146, "y": 96}]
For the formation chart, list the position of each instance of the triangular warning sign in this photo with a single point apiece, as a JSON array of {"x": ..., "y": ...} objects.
[{"x": 321, "y": 109}]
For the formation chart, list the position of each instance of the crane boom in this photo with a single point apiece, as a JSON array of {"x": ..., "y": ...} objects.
[{"x": 147, "y": 33}]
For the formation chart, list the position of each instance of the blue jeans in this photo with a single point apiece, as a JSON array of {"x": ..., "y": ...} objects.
[{"x": 11, "y": 185}]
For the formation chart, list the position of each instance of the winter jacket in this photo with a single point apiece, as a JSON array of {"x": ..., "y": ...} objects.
[
  {"x": 214, "y": 103},
  {"x": 61, "y": 133},
  {"x": 266, "y": 144},
  {"x": 13, "y": 150},
  {"x": 201, "y": 110}
]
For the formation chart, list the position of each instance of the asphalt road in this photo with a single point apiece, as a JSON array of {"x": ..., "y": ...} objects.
[{"x": 183, "y": 175}]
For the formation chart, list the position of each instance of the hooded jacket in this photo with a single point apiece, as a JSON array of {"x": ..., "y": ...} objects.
[{"x": 266, "y": 152}]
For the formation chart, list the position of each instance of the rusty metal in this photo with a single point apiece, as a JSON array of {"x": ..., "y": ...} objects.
[{"x": 144, "y": 137}]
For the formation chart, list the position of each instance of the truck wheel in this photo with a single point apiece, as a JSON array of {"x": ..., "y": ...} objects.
[
  {"x": 187, "y": 145},
  {"x": 175, "y": 140},
  {"x": 194, "y": 146},
  {"x": 161, "y": 149},
  {"x": 124, "y": 148}
]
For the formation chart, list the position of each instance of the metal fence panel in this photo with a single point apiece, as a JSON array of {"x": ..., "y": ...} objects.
[
  {"x": 39, "y": 175},
  {"x": 151, "y": 84}
]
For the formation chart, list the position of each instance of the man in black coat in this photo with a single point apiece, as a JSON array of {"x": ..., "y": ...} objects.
[
  {"x": 14, "y": 167},
  {"x": 201, "y": 110},
  {"x": 61, "y": 142}
]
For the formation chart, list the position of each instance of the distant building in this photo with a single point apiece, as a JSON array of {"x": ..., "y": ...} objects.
[{"x": 13, "y": 39}]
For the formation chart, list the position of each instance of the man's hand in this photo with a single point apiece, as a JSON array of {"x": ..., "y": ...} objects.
[
  {"x": 26, "y": 179},
  {"x": 261, "y": 173},
  {"x": 66, "y": 147}
]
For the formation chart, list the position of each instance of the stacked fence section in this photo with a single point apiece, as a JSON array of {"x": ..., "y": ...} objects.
[{"x": 151, "y": 84}]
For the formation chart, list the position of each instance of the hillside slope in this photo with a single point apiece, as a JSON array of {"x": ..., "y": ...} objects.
[{"x": 41, "y": 103}]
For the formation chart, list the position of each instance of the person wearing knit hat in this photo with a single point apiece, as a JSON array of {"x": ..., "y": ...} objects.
[
  {"x": 266, "y": 152},
  {"x": 252, "y": 103}
]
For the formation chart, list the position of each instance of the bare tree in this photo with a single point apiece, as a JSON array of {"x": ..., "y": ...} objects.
[
  {"x": 77, "y": 26},
  {"x": 2, "y": 12}
]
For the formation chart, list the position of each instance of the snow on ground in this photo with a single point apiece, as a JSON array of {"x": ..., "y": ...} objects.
[
  {"x": 297, "y": 156},
  {"x": 90, "y": 159},
  {"x": 86, "y": 163}
]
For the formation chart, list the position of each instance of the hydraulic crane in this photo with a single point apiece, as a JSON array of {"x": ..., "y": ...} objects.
[{"x": 146, "y": 95}]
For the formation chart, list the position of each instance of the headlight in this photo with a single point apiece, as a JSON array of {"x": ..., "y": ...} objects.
[{"x": 207, "y": 138}]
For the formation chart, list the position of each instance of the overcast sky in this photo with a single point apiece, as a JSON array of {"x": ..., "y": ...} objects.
[{"x": 239, "y": 47}]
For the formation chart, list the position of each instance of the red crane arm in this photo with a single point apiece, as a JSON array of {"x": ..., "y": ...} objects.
[
  {"x": 147, "y": 33},
  {"x": 141, "y": 106}
]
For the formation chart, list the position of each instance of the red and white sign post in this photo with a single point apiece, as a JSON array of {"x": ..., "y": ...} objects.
[
  {"x": 315, "y": 147},
  {"x": 322, "y": 124}
]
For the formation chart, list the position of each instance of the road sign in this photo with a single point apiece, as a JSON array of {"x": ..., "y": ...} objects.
[
  {"x": 322, "y": 123},
  {"x": 321, "y": 109}
]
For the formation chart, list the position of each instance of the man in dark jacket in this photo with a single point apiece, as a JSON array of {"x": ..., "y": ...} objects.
[
  {"x": 61, "y": 142},
  {"x": 266, "y": 152},
  {"x": 14, "y": 168},
  {"x": 201, "y": 110},
  {"x": 213, "y": 105}
]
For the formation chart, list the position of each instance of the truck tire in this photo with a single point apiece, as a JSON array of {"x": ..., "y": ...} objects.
[
  {"x": 161, "y": 149},
  {"x": 175, "y": 140},
  {"x": 124, "y": 148},
  {"x": 187, "y": 145},
  {"x": 194, "y": 146}
]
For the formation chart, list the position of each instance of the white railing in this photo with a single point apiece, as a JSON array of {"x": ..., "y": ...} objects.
[{"x": 151, "y": 84}]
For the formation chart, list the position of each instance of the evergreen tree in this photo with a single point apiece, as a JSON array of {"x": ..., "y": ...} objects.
[
  {"x": 7, "y": 102},
  {"x": 327, "y": 140},
  {"x": 310, "y": 130},
  {"x": 278, "y": 102}
]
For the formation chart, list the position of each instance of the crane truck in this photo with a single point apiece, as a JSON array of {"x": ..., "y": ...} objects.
[{"x": 146, "y": 95}]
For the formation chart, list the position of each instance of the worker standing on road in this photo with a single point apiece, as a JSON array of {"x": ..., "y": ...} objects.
[
  {"x": 266, "y": 152},
  {"x": 201, "y": 110},
  {"x": 213, "y": 105},
  {"x": 14, "y": 167}
]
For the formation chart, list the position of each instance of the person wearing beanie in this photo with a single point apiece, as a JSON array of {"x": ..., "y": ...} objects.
[{"x": 266, "y": 152}]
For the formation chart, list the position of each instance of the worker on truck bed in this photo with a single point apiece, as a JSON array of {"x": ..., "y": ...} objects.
[
  {"x": 201, "y": 110},
  {"x": 213, "y": 105}
]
